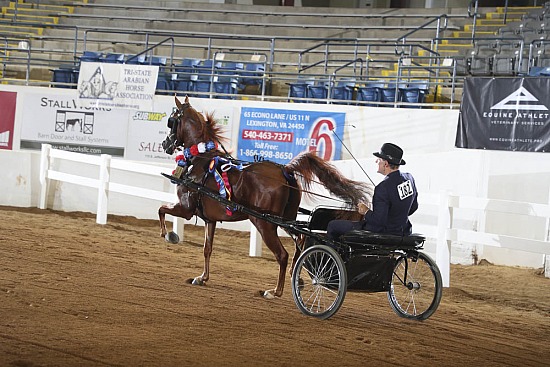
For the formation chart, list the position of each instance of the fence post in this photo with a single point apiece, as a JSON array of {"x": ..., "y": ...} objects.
[
  {"x": 546, "y": 263},
  {"x": 255, "y": 242},
  {"x": 443, "y": 244},
  {"x": 44, "y": 167},
  {"x": 103, "y": 189}
]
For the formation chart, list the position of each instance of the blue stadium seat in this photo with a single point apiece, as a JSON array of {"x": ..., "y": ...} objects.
[
  {"x": 183, "y": 85},
  {"x": 205, "y": 76},
  {"x": 113, "y": 58},
  {"x": 539, "y": 71},
  {"x": 135, "y": 60},
  {"x": 415, "y": 92},
  {"x": 370, "y": 92},
  {"x": 156, "y": 61},
  {"x": 392, "y": 92},
  {"x": 343, "y": 90},
  {"x": 65, "y": 74},
  {"x": 226, "y": 85},
  {"x": 319, "y": 90},
  {"x": 252, "y": 74},
  {"x": 91, "y": 56},
  {"x": 164, "y": 84},
  {"x": 299, "y": 89}
]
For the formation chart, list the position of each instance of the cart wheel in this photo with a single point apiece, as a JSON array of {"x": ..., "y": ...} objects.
[
  {"x": 416, "y": 287},
  {"x": 319, "y": 282}
]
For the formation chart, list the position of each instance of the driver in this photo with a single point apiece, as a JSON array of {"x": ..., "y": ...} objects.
[{"x": 395, "y": 198}]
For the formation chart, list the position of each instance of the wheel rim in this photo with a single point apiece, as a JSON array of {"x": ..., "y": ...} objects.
[
  {"x": 418, "y": 295},
  {"x": 318, "y": 283}
]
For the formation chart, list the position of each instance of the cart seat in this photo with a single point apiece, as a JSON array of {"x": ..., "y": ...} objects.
[
  {"x": 362, "y": 237},
  {"x": 321, "y": 216}
]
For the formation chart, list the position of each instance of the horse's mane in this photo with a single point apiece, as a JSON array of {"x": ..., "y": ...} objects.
[{"x": 210, "y": 130}]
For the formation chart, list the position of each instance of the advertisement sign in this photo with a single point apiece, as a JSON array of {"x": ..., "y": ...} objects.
[
  {"x": 7, "y": 118},
  {"x": 147, "y": 129},
  {"x": 117, "y": 85},
  {"x": 505, "y": 114},
  {"x": 280, "y": 135},
  {"x": 60, "y": 121}
]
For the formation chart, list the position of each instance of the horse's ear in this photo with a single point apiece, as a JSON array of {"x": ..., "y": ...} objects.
[
  {"x": 178, "y": 103},
  {"x": 186, "y": 99}
]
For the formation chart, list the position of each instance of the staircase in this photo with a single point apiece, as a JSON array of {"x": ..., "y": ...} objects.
[
  {"x": 486, "y": 27},
  {"x": 21, "y": 24}
]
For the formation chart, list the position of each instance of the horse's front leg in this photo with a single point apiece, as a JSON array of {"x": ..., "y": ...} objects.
[
  {"x": 162, "y": 218},
  {"x": 176, "y": 210},
  {"x": 209, "y": 230}
]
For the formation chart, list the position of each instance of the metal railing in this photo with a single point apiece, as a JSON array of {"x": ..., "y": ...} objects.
[{"x": 327, "y": 58}]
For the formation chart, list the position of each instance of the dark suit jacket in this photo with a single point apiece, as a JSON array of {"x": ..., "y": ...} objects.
[{"x": 395, "y": 198}]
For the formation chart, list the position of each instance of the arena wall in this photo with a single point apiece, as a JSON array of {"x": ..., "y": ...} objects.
[{"x": 426, "y": 135}]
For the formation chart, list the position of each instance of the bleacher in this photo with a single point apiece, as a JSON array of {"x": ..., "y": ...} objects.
[{"x": 371, "y": 57}]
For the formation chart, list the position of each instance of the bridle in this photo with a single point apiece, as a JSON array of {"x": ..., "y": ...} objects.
[{"x": 170, "y": 143}]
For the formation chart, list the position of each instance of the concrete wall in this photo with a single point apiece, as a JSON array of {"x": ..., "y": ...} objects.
[{"x": 426, "y": 135}]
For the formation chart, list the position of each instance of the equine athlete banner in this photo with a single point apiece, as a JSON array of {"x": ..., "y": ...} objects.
[
  {"x": 280, "y": 135},
  {"x": 505, "y": 114},
  {"x": 7, "y": 119},
  {"x": 117, "y": 85}
]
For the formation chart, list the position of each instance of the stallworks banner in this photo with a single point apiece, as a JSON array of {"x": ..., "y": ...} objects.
[{"x": 505, "y": 114}]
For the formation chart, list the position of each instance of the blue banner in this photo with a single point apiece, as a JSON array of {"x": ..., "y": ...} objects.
[{"x": 280, "y": 135}]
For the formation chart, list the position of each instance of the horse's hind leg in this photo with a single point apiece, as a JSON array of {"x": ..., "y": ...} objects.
[
  {"x": 299, "y": 244},
  {"x": 272, "y": 241},
  {"x": 209, "y": 229}
]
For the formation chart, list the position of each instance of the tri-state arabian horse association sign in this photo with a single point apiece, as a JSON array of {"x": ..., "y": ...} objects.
[
  {"x": 505, "y": 114},
  {"x": 117, "y": 86}
]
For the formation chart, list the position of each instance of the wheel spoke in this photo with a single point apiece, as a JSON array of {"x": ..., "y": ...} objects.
[
  {"x": 420, "y": 295},
  {"x": 323, "y": 295}
]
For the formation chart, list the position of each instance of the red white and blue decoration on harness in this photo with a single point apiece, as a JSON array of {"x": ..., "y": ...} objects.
[{"x": 218, "y": 168}]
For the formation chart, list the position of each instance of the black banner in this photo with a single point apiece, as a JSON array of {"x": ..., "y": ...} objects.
[{"x": 505, "y": 114}]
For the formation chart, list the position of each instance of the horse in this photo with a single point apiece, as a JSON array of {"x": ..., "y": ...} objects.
[{"x": 263, "y": 186}]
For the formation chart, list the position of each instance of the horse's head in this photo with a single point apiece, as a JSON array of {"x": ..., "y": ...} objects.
[
  {"x": 173, "y": 141},
  {"x": 188, "y": 127}
]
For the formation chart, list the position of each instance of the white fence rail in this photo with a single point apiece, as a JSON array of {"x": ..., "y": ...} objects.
[
  {"x": 443, "y": 232},
  {"x": 103, "y": 183}
]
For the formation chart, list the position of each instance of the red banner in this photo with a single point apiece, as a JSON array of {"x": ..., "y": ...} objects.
[{"x": 7, "y": 119}]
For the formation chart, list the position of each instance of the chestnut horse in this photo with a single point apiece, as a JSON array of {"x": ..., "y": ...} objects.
[{"x": 264, "y": 186}]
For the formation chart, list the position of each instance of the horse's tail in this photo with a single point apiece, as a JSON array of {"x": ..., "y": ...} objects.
[{"x": 309, "y": 165}]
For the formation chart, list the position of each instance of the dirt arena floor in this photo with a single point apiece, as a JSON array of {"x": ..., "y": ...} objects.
[{"x": 75, "y": 293}]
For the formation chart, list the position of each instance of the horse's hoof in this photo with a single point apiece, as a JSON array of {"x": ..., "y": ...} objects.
[
  {"x": 267, "y": 295},
  {"x": 172, "y": 237},
  {"x": 198, "y": 281}
]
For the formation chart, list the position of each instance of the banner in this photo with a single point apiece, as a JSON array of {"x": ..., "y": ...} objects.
[
  {"x": 147, "y": 129},
  {"x": 59, "y": 120},
  {"x": 117, "y": 85},
  {"x": 280, "y": 135},
  {"x": 505, "y": 114},
  {"x": 7, "y": 119}
]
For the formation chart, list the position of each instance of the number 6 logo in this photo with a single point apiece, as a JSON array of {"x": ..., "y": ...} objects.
[{"x": 320, "y": 134}]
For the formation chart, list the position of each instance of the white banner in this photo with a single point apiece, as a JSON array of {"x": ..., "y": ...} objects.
[
  {"x": 147, "y": 129},
  {"x": 57, "y": 119},
  {"x": 117, "y": 85}
]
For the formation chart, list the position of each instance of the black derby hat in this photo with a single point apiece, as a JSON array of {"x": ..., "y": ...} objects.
[{"x": 391, "y": 153}]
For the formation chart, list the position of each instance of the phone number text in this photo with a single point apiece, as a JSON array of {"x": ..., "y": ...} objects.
[{"x": 268, "y": 135}]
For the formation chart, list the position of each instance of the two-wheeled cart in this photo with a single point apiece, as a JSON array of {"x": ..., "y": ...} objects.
[{"x": 361, "y": 261}]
